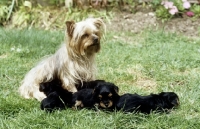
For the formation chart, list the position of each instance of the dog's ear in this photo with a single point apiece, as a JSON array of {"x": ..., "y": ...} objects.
[
  {"x": 42, "y": 87},
  {"x": 93, "y": 92},
  {"x": 175, "y": 102},
  {"x": 162, "y": 94},
  {"x": 70, "y": 28},
  {"x": 171, "y": 97},
  {"x": 93, "y": 84},
  {"x": 100, "y": 24},
  {"x": 96, "y": 90},
  {"x": 116, "y": 88}
]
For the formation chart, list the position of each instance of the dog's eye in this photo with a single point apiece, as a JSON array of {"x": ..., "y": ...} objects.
[
  {"x": 96, "y": 34},
  {"x": 100, "y": 96},
  {"x": 85, "y": 35},
  {"x": 110, "y": 95}
]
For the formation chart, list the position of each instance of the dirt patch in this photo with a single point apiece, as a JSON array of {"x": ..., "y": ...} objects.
[
  {"x": 3, "y": 56},
  {"x": 139, "y": 21},
  {"x": 141, "y": 80}
]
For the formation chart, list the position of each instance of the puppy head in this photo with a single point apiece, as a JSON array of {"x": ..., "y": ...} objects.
[
  {"x": 84, "y": 36},
  {"x": 48, "y": 87},
  {"x": 106, "y": 94},
  {"x": 171, "y": 98},
  {"x": 52, "y": 102}
]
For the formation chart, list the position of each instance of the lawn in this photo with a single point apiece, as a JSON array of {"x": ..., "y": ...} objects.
[{"x": 149, "y": 62}]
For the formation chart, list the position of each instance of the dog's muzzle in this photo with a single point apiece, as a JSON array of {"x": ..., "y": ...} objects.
[{"x": 95, "y": 40}]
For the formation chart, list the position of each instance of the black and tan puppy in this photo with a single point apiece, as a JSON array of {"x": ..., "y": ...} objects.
[
  {"x": 106, "y": 94},
  {"x": 49, "y": 87},
  {"x": 102, "y": 94},
  {"x": 91, "y": 93},
  {"x": 57, "y": 97},
  {"x": 146, "y": 104}
]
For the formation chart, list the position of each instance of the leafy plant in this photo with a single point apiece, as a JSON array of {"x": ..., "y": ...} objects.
[
  {"x": 3, "y": 14},
  {"x": 173, "y": 7},
  {"x": 6, "y": 8},
  {"x": 196, "y": 9},
  {"x": 162, "y": 13},
  {"x": 155, "y": 3}
]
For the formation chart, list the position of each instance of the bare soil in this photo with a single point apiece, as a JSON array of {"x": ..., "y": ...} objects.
[{"x": 139, "y": 21}]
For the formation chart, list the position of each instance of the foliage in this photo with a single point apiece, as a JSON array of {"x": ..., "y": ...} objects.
[
  {"x": 196, "y": 9},
  {"x": 162, "y": 13},
  {"x": 5, "y": 2},
  {"x": 167, "y": 9},
  {"x": 4, "y": 10},
  {"x": 57, "y": 2},
  {"x": 47, "y": 18},
  {"x": 27, "y": 15},
  {"x": 24, "y": 13}
]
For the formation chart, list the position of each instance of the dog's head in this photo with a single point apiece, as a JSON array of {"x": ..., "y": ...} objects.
[
  {"x": 106, "y": 94},
  {"x": 84, "y": 36},
  {"x": 53, "y": 101},
  {"x": 48, "y": 87},
  {"x": 171, "y": 98}
]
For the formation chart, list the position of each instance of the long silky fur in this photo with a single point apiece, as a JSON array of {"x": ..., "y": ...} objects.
[{"x": 68, "y": 64}]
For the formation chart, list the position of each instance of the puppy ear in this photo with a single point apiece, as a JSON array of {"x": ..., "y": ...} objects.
[
  {"x": 116, "y": 88},
  {"x": 70, "y": 28},
  {"x": 42, "y": 87},
  {"x": 171, "y": 97},
  {"x": 93, "y": 91},
  {"x": 175, "y": 102}
]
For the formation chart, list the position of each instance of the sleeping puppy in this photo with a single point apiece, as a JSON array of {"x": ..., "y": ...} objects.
[
  {"x": 102, "y": 94},
  {"x": 53, "y": 101},
  {"x": 49, "y": 87},
  {"x": 83, "y": 99},
  {"x": 57, "y": 97},
  {"x": 96, "y": 92},
  {"x": 145, "y": 104},
  {"x": 106, "y": 94}
]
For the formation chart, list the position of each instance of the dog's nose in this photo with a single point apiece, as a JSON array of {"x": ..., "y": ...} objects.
[
  {"x": 106, "y": 104},
  {"x": 95, "y": 40}
]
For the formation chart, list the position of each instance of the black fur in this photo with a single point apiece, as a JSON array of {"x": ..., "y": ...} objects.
[
  {"x": 53, "y": 101},
  {"x": 106, "y": 94},
  {"x": 88, "y": 95},
  {"x": 85, "y": 96},
  {"x": 146, "y": 104},
  {"x": 49, "y": 87}
]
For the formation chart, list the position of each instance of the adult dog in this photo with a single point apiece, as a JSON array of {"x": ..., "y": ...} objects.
[{"x": 72, "y": 63}]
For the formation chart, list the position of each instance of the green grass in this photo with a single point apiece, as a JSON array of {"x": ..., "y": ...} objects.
[{"x": 145, "y": 63}]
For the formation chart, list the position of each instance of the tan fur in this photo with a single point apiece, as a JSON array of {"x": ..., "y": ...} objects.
[
  {"x": 78, "y": 104},
  {"x": 73, "y": 62},
  {"x": 104, "y": 106}
]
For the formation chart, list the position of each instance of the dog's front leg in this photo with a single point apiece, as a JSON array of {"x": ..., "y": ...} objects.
[
  {"x": 68, "y": 86},
  {"x": 38, "y": 95}
]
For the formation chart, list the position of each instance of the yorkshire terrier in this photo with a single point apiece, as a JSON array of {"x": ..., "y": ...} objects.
[
  {"x": 146, "y": 104},
  {"x": 74, "y": 62}
]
